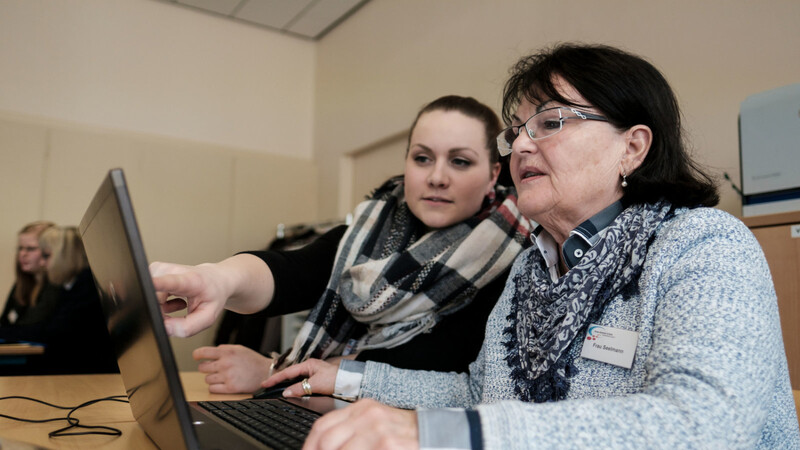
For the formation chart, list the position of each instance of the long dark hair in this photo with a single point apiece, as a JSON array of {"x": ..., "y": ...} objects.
[{"x": 629, "y": 91}]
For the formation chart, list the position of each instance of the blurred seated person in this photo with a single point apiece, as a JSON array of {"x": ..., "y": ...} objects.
[
  {"x": 410, "y": 282},
  {"x": 74, "y": 331},
  {"x": 26, "y": 302}
]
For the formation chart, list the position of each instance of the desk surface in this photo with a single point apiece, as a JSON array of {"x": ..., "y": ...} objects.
[
  {"x": 21, "y": 349},
  {"x": 71, "y": 390},
  {"x": 76, "y": 389}
]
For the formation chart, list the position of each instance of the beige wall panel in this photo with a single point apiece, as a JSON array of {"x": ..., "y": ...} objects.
[
  {"x": 75, "y": 165},
  {"x": 375, "y": 165},
  {"x": 22, "y": 150},
  {"x": 180, "y": 192},
  {"x": 269, "y": 191},
  {"x": 187, "y": 212}
]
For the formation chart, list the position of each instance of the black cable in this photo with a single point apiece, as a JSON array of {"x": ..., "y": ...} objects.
[
  {"x": 75, "y": 423},
  {"x": 72, "y": 421}
]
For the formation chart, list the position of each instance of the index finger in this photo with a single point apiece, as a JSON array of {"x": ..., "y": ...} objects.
[
  {"x": 179, "y": 285},
  {"x": 205, "y": 352}
]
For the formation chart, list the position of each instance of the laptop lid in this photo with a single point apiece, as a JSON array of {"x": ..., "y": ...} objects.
[
  {"x": 117, "y": 259},
  {"x": 144, "y": 354}
]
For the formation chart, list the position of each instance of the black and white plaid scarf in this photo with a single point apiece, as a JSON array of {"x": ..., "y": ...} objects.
[
  {"x": 547, "y": 316},
  {"x": 391, "y": 281}
]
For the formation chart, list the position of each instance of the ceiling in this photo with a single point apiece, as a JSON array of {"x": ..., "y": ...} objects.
[{"x": 307, "y": 19}]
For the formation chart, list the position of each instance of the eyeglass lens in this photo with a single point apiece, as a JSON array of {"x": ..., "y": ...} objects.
[{"x": 540, "y": 125}]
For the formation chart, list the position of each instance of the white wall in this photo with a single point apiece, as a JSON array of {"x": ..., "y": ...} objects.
[
  {"x": 380, "y": 66},
  {"x": 151, "y": 67}
]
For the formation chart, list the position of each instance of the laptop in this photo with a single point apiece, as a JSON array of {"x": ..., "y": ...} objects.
[{"x": 117, "y": 259}]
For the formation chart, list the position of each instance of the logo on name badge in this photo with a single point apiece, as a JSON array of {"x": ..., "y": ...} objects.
[
  {"x": 596, "y": 331},
  {"x": 610, "y": 345}
]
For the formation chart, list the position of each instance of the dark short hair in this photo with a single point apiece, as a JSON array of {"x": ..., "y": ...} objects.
[
  {"x": 470, "y": 108},
  {"x": 629, "y": 91}
]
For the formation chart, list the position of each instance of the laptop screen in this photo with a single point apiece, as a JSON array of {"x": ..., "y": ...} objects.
[{"x": 118, "y": 262}]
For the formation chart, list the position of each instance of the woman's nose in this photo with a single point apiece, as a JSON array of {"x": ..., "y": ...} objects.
[
  {"x": 523, "y": 143},
  {"x": 438, "y": 176}
]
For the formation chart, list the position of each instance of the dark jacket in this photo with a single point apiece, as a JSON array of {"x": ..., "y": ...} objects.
[{"x": 74, "y": 333}]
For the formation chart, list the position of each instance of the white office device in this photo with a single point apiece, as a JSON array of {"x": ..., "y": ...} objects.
[{"x": 769, "y": 149}]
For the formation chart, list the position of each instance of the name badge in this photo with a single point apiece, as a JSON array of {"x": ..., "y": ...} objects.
[{"x": 610, "y": 345}]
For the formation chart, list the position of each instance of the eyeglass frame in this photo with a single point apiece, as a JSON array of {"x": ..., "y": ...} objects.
[{"x": 504, "y": 147}]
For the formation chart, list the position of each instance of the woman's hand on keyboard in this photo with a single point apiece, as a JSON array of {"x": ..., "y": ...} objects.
[
  {"x": 232, "y": 369},
  {"x": 320, "y": 378},
  {"x": 365, "y": 424}
]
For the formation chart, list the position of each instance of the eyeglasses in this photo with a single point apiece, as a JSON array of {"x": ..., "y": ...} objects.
[{"x": 542, "y": 125}]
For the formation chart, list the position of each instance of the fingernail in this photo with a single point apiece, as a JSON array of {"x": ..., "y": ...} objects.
[
  {"x": 168, "y": 327},
  {"x": 286, "y": 393},
  {"x": 178, "y": 331}
]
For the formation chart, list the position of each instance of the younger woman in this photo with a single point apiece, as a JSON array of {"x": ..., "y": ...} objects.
[{"x": 410, "y": 282}]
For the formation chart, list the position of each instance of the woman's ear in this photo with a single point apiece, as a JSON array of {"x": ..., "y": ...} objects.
[{"x": 638, "y": 141}]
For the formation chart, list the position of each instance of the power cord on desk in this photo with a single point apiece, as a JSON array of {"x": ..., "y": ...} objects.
[{"x": 72, "y": 421}]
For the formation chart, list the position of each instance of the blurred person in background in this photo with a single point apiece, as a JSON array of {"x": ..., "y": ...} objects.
[
  {"x": 73, "y": 331},
  {"x": 25, "y": 302}
]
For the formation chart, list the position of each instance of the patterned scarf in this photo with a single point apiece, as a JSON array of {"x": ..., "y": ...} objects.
[
  {"x": 547, "y": 316},
  {"x": 391, "y": 281}
]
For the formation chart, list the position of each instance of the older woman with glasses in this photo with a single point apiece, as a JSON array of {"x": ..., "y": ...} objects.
[
  {"x": 642, "y": 318},
  {"x": 411, "y": 282}
]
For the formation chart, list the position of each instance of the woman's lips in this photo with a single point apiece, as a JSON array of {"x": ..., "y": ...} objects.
[
  {"x": 530, "y": 173},
  {"x": 437, "y": 200}
]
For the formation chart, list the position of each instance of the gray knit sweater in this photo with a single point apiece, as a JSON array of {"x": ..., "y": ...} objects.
[{"x": 709, "y": 369}]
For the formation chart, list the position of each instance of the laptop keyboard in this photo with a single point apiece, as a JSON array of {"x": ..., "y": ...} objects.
[{"x": 275, "y": 423}]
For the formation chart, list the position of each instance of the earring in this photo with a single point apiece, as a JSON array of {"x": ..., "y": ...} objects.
[{"x": 624, "y": 179}]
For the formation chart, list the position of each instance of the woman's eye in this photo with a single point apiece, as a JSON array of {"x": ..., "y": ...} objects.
[
  {"x": 461, "y": 162},
  {"x": 421, "y": 159},
  {"x": 551, "y": 124}
]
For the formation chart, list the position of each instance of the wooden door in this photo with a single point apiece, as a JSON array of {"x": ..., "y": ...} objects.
[{"x": 779, "y": 236}]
